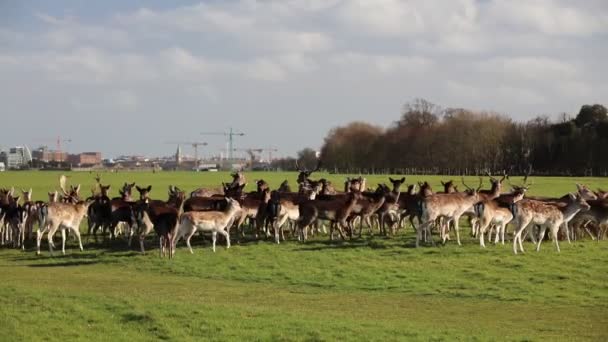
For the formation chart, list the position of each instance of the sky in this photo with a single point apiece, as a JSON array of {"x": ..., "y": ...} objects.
[{"x": 126, "y": 77}]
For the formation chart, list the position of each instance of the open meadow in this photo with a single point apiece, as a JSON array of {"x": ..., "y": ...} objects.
[{"x": 373, "y": 288}]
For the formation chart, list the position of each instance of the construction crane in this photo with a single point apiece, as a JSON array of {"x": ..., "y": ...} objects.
[
  {"x": 194, "y": 144},
  {"x": 230, "y": 134}
]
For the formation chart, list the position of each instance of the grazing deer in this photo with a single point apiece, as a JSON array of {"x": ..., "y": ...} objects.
[
  {"x": 451, "y": 206},
  {"x": 62, "y": 216},
  {"x": 206, "y": 221},
  {"x": 546, "y": 215}
]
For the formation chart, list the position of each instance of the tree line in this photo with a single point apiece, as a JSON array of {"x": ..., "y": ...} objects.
[{"x": 428, "y": 139}]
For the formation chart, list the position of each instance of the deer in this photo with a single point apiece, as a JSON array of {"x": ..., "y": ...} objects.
[
  {"x": 206, "y": 221},
  {"x": 597, "y": 214},
  {"x": 546, "y": 215},
  {"x": 336, "y": 211},
  {"x": 100, "y": 211},
  {"x": 164, "y": 222},
  {"x": 158, "y": 215},
  {"x": 122, "y": 211},
  {"x": 365, "y": 207},
  {"x": 497, "y": 212},
  {"x": 485, "y": 195},
  {"x": 390, "y": 207},
  {"x": 62, "y": 216},
  {"x": 289, "y": 207},
  {"x": 409, "y": 203},
  {"x": 451, "y": 206},
  {"x": 582, "y": 190}
]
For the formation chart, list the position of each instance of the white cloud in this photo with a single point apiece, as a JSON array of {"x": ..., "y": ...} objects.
[
  {"x": 537, "y": 68},
  {"x": 549, "y": 17},
  {"x": 523, "y": 57}
]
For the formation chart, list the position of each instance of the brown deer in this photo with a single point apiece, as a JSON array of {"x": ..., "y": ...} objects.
[
  {"x": 159, "y": 215},
  {"x": 336, "y": 211},
  {"x": 546, "y": 215}
]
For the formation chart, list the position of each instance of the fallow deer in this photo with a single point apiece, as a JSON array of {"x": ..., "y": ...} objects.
[
  {"x": 546, "y": 215},
  {"x": 336, "y": 211},
  {"x": 451, "y": 206},
  {"x": 206, "y": 221},
  {"x": 62, "y": 216},
  {"x": 497, "y": 212}
]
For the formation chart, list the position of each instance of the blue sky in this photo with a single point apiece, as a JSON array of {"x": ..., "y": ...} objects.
[{"x": 123, "y": 77}]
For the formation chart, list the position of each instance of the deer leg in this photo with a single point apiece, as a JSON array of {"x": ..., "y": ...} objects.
[
  {"x": 191, "y": 233},
  {"x": 227, "y": 236},
  {"x": 62, "y": 241},
  {"x": 214, "y": 239},
  {"x": 554, "y": 231},
  {"x": 77, "y": 233},
  {"x": 567, "y": 232},
  {"x": 456, "y": 219},
  {"x": 541, "y": 236}
]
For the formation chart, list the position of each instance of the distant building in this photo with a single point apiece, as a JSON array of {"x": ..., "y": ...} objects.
[
  {"x": 46, "y": 155},
  {"x": 85, "y": 159},
  {"x": 17, "y": 157}
]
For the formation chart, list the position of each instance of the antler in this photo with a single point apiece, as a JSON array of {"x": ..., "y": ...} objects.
[
  {"x": 480, "y": 184},
  {"x": 62, "y": 181},
  {"x": 299, "y": 168},
  {"x": 465, "y": 184}
]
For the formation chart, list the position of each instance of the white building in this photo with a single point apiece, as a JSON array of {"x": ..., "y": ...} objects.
[{"x": 17, "y": 157}]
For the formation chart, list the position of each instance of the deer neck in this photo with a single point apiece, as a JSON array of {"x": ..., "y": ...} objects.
[{"x": 570, "y": 210}]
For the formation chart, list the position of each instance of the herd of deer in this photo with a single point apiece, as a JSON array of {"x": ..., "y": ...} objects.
[{"x": 217, "y": 211}]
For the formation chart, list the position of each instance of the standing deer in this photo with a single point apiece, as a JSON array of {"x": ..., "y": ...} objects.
[
  {"x": 62, "y": 216},
  {"x": 451, "y": 206},
  {"x": 546, "y": 215}
]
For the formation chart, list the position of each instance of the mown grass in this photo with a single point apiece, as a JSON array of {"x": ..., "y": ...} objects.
[{"x": 373, "y": 288}]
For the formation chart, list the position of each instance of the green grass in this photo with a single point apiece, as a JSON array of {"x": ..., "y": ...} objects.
[{"x": 374, "y": 288}]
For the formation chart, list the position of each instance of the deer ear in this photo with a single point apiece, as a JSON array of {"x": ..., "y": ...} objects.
[
  {"x": 149, "y": 188},
  {"x": 572, "y": 196},
  {"x": 77, "y": 189},
  {"x": 30, "y": 192}
]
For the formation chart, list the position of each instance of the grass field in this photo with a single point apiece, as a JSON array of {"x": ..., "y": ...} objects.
[{"x": 373, "y": 288}]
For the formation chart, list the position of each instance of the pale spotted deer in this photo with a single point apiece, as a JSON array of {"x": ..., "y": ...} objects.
[
  {"x": 451, "y": 206},
  {"x": 206, "y": 221},
  {"x": 62, "y": 216},
  {"x": 546, "y": 215}
]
